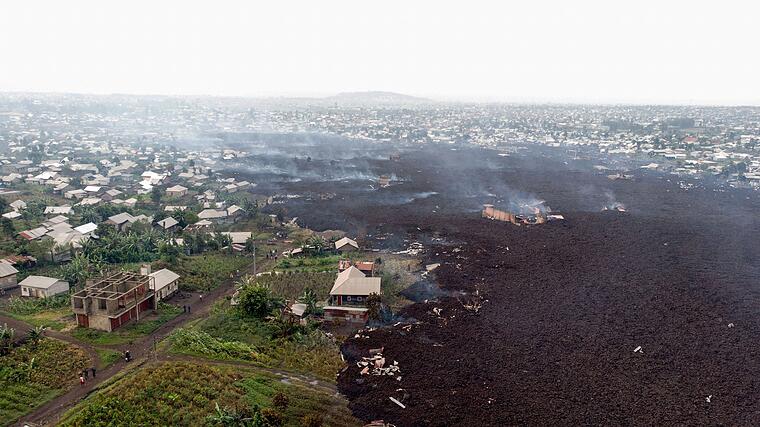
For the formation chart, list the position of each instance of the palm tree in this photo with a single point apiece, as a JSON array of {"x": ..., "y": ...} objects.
[
  {"x": 35, "y": 335},
  {"x": 309, "y": 297},
  {"x": 317, "y": 244},
  {"x": 228, "y": 417},
  {"x": 6, "y": 338},
  {"x": 245, "y": 281}
]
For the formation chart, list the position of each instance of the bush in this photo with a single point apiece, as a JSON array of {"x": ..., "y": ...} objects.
[
  {"x": 27, "y": 306},
  {"x": 198, "y": 342},
  {"x": 312, "y": 420},
  {"x": 280, "y": 401},
  {"x": 257, "y": 301}
]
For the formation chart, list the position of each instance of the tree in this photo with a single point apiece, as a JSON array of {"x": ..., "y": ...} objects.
[
  {"x": 41, "y": 249},
  {"x": 250, "y": 245},
  {"x": 155, "y": 195},
  {"x": 316, "y": 245},
  {"x": 6, "y": 338},
  {"x": 257, "y": 301},
  {"x": 185, "y": 217},
  {"x": 89, "y": 214},
  {"x": 246, "y": 281},
  {"x": 309, "y": 297},
  {"x": 35, "y": 335},
  {"x": 250, "y": 207},
  {"x": 222, "y": 241},
  {"x": 374, "y": 306},
  {"x": 7, "y": 227},
  {"x": 168, "y": 251},
  {"x": 3, "y": 205},
  {"x": 78, "y": 270}
]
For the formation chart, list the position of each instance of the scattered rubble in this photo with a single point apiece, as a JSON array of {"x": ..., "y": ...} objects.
[{"x": 375, "y": 365}]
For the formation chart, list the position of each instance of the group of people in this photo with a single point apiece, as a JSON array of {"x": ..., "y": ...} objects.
[{"x": 83, "y": 376}]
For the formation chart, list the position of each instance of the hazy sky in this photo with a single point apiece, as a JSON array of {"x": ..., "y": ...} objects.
[{"x": 528, "y": 50}]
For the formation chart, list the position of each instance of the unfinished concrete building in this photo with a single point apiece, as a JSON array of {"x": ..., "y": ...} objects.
[{"x": 114, "y": 300}]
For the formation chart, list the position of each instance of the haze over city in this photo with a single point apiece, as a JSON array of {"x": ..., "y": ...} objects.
[
  {"x": 379, "y": 214},
  {"x": 550, "y": 51}
]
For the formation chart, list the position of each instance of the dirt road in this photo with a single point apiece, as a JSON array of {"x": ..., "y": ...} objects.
[{"x": 141, "y": 351}]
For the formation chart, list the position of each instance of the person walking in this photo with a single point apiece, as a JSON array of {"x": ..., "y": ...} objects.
[
  {"x": 81, "y": 379},
  {"x": 93, "y": 372}
]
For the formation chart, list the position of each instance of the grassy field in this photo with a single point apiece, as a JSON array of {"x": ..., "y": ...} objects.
[
  {"x": 129, "y": 333},
  {"x": 52, "y": 312},
  {"x": 182, "y": 393},
  {"x": 312, "y": 264},
  {"x": 206, "y": 272},
  {"x": 31, "y": 375},
  {"x": 107, "y": 357},
  {"x": 58, "y": 319},
  {"x": 226, "y": 335},
  {"x": 291, "y": 284}
]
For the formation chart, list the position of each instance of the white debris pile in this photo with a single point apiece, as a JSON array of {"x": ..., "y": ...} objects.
[
  {"x": 474, "y": 303},
  {"x": 361, "y": 333},
  {"x": 414, "y": 249},
  {"x": 376, "y": 364}
]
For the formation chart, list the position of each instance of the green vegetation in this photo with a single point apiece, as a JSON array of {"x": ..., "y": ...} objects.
[
  {"x": 26, "y": 306},
  {"x": 313, "y": 264},
  {"x": 107, "y": 357},
  {"x": 228, "y": 335},
  {"x": 256, "y": 300},
  {"x": 50, "y": 312},
  {"x": 130, "y": 332},
  {"x": 292, "y": 284},
  {"x": 34, "y": 373},
  {"x": 200, "y": 343},
  {"x": 185, "y": 393},
  {"x": 206, "y": 272}
]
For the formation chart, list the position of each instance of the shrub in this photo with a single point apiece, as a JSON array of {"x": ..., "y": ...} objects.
[
  {"x": 198, "y": 342},
  {"x": 312, "y": 420},
  {"x": 27, "y": 306}
]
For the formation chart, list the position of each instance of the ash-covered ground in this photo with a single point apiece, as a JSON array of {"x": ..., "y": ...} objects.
[{"x": 650, "y": 316}]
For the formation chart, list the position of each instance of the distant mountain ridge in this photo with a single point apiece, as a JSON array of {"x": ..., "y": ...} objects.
[{"x": 377, "y": 97}]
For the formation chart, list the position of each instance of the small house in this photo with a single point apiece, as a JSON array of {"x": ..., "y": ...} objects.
[
  {"x": 176, "y": 191},
  {"x": 7, "y": 276},
  {"x": 121, "y": 221},
  {"x": 42, "y": 287},
  {"x": 168, "y": 223},
  {"x": 346, "y": 245},
  {"x": 18, "y": 205},
  {"x": 164, "y": 283},
  {"x": 352, "y": 287}
]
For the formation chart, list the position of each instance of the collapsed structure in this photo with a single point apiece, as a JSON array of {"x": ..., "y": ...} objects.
[{"x": 536, "y": 217}]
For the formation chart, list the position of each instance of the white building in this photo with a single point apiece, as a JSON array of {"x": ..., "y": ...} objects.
[
  {"x": 165, "y": 283},
  {"x": 42, "y": 287}
]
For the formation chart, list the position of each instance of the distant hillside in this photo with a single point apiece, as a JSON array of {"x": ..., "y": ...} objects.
[{"x": 376, "y": 98}]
